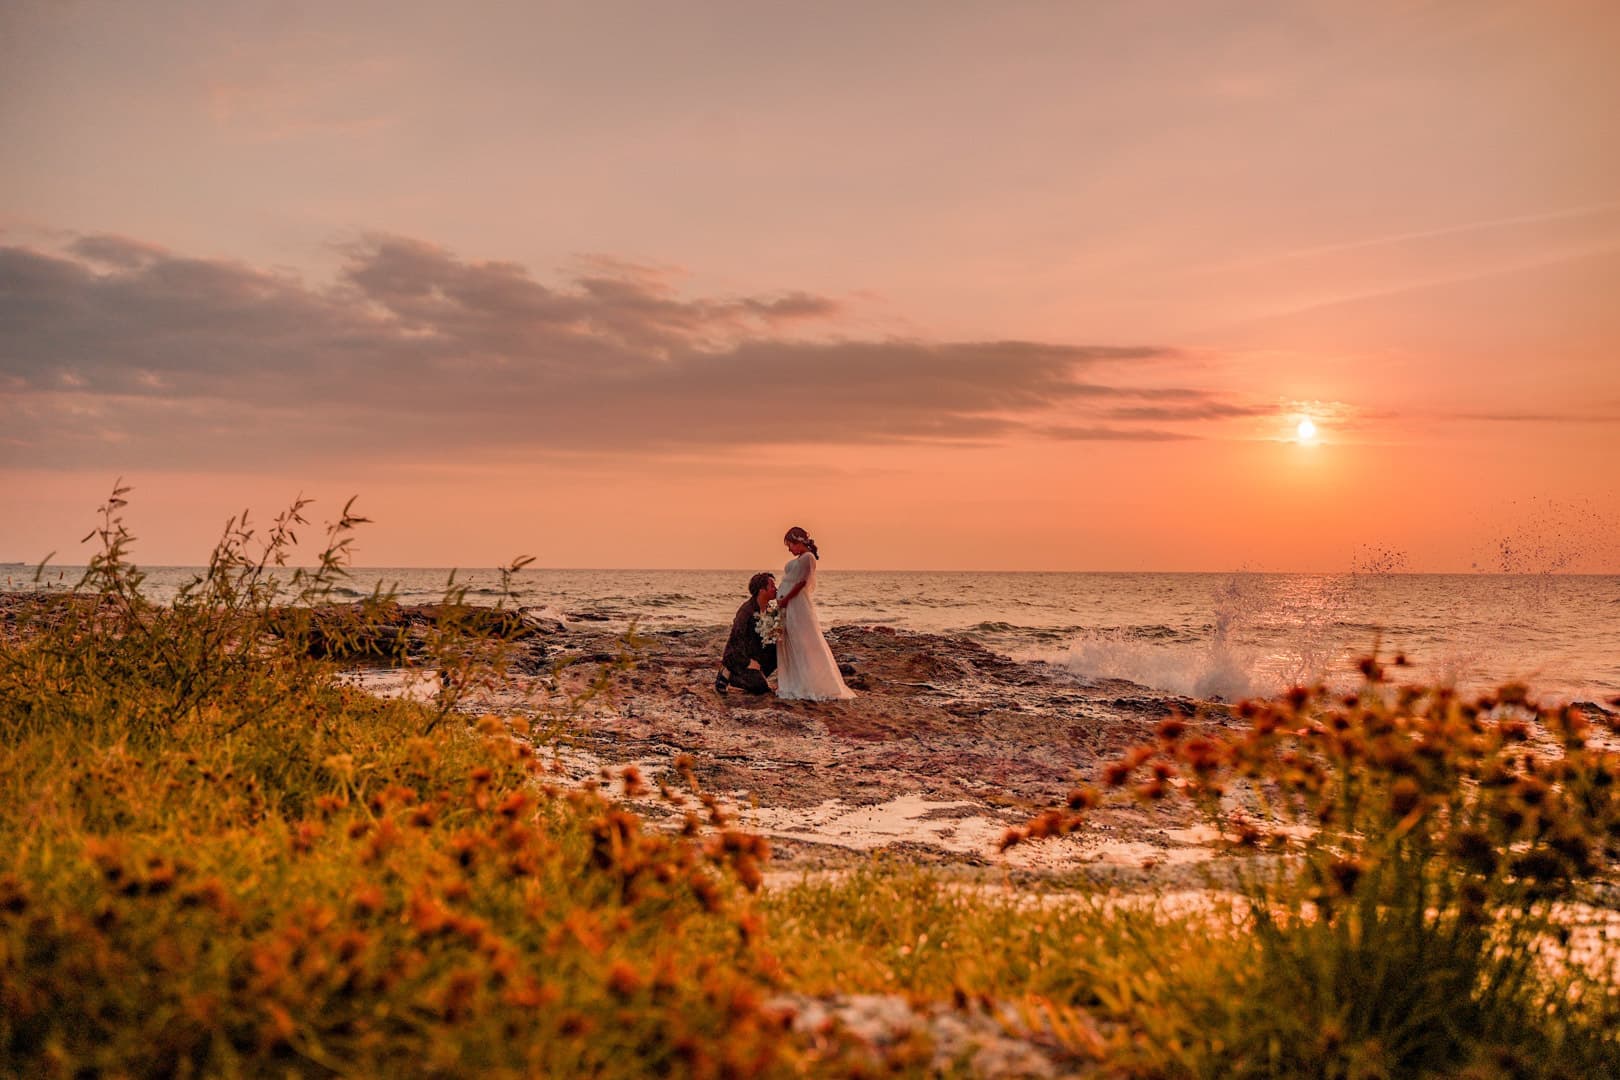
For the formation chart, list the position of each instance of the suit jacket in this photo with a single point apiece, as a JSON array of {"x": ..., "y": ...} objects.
[{"x": 745, "y": 644}]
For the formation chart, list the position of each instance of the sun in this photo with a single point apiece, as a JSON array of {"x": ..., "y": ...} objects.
[{"x": 1306, "y": 430}]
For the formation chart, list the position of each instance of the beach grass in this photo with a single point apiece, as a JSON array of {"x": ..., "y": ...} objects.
[{"x": 217, "y": 858}]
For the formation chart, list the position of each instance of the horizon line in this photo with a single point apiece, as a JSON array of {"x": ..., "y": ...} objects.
[{"x": 1256, "y": 572}]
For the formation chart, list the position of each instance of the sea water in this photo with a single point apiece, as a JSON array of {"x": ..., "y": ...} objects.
[{"x": 1206, "y": 635}]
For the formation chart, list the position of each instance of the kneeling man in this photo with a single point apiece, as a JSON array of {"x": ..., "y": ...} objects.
[{"x": 749, "y": 658}]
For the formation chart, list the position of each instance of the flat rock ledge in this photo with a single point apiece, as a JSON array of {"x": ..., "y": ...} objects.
[{"x": 947, "y": 745}]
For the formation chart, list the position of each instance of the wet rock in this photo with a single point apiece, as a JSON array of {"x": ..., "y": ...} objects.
[
  {"x": 972, "y": 1040},
  {"x": 542, "y": 622}
]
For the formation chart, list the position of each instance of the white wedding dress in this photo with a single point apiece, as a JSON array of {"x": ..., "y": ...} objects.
[{"x": 806, "y": 670}]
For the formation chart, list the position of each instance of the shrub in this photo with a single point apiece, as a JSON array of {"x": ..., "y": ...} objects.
[
  {"x": 216, "y": 858},
  {"x": 1413, "y": 861}
]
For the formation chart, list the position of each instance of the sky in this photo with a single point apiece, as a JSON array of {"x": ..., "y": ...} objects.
[{"x": 953, "y": 285}]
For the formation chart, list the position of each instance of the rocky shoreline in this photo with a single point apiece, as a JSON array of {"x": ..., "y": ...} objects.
[{"x": 947, "y": 746}]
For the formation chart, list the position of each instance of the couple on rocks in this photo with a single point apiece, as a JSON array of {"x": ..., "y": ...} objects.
[{"x": 804, "y": 665}]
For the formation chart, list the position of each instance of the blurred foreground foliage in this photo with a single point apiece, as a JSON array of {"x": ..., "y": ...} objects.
[
  {"x": 219, "y": 858},
  {"x": 1409, "y": 874}
]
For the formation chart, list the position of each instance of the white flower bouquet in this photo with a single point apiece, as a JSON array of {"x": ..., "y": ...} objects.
[{"x": 769, "y": 624}]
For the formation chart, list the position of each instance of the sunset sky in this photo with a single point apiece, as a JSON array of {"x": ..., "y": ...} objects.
[{"x": 954, "y": 285}]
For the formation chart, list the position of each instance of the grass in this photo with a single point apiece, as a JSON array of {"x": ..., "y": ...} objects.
[
  {"x": 1411, "y": 916},
  {"x": 216, "y": 859}
]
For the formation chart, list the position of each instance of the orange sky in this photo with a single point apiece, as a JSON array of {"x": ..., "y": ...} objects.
[{"x": 1014, "y": 286}]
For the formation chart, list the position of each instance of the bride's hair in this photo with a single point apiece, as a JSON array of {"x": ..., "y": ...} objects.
[{"x": 797, "y": 535}]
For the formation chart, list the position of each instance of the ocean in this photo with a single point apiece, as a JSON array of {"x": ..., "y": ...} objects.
[{"x": 1205, "y": 635}]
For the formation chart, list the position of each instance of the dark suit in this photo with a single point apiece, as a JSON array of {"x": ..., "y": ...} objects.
[{"x": 745, "y": 645}]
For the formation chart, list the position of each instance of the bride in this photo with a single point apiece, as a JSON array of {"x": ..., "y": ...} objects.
[{"x": 806, "y": 669}]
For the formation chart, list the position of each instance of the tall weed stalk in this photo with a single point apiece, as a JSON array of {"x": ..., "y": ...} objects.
[{"x": 219, "y": 858}]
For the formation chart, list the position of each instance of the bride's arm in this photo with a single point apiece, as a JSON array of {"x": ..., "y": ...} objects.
[{"x": 797, "y": 587}]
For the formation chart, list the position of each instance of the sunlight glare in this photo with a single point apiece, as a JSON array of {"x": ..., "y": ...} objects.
[{"x": 1307, "y": 430}]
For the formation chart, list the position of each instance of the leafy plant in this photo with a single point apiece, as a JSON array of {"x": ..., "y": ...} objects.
[
  {"x": 1415, "y": 858},
  {"x": 218, "y": 858}
]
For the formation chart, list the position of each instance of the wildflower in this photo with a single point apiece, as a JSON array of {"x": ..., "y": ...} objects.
[
  {"x": 422, "y": 817},
  {"x": 683, "y": 765},
  {"x": 1201, "y": 754},
  {"x": 1116, "y": 774},
  {"x": 304, "y": 835},
  {"x": 1082, "y": 799},
  {"x": 367, "y": 899},
  {"x": 706, "y": 891},
  {"x": 464, "y": 847},
  {"x": 1051, "y": 823},
  {"x": 623, "y": 980},
  {"x": 514, "y": 804},
  {"x": 427, "y": 916},
  {"x": 531, "y": 994},
  {"x": 633, "y": 784},
  {"x": 748, "y": 873},
  {"x": 1514, "y": 730},
  {"x": 1172, "y": 728}
]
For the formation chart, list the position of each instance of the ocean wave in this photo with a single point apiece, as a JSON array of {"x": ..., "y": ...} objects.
[
  {"x": 1206, "y": 670},
  {"x": 664, "y": 600}
]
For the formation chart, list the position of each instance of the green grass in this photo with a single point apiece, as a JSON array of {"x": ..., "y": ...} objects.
[{"x": 216, "y": 859}]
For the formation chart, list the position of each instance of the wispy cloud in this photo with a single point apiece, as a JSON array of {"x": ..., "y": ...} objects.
[
  {"x": 414, "y": 352},
  {"x": 1335, "y": 297},
  {"x": 1534, "y": 417},
  {"x": 1568, "y": 213}
]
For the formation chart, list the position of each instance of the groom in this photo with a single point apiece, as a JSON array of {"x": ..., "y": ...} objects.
[{"x": 748, "y": 659}]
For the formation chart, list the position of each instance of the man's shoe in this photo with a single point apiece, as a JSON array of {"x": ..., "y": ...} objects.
[{"x": 721, "y": 684}]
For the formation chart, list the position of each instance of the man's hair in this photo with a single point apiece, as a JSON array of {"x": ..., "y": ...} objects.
[{"x": 758, "y": 582}]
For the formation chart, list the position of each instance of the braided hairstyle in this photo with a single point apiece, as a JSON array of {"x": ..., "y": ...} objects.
[{"x": 797, "y": 535}]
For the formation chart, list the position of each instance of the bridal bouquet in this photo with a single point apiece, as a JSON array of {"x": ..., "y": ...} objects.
[{"x": 769, "y": 624}]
